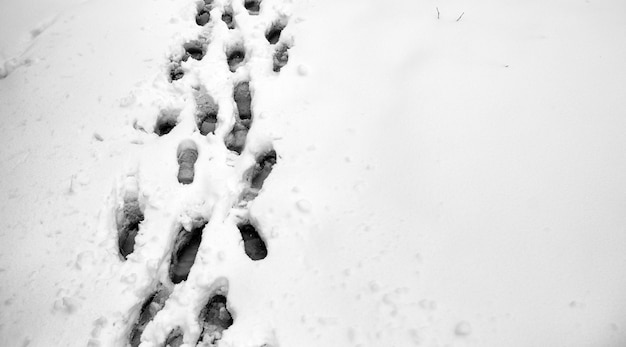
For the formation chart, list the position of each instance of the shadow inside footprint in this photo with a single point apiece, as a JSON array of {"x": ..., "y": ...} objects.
[
  {"x": 166, "y": 121},
  {"x": 128, "y": 220},
  {"x": 194, "y": 49},
  {"x": 253, "y": 6},
  {"x": 149, "y": 309},
  {"x": 273, "y": 34},
  {"x": 184, "y": 253},
  {"x": 254, "y": 246},
  {"x": 235, "y": 59},
  {"x": 187, "y": 156},
  {"x": 215, "y": 318}
]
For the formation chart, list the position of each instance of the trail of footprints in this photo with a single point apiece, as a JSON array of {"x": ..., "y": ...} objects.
[{"x": 215, "y": 317}]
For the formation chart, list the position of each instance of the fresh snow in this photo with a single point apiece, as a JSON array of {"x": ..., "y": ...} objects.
[{"x": 447, "y": 173}]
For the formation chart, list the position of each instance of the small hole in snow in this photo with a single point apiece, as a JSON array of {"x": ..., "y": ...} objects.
[
  {"x": 166, "y": 121},
  {"x": 254, "y": 245},
  {"x": 184, "y": 253},
  {"x": 253, "y": 6},
  {"x": 187, "y": 155}
]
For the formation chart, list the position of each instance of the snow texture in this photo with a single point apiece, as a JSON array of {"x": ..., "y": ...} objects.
[{"x": 275, "y": 173}]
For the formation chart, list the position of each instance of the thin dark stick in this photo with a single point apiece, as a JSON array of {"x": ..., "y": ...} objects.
[
  {"x": 437, "y": 12},
  {"x": 461, "y": 16}
]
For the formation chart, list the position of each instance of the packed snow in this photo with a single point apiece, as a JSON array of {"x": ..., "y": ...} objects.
[{"x": 278, "y": 173}]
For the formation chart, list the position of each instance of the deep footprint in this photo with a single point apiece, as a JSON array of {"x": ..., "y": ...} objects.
[
  {"x": 187, "y": 156},
  {"x": 235, "y": 59},
  {"x": 273, "y": 34},
  {"x": 204, "y": 15},
  {"x": 236, "y": 140},
  {"x": 253, "y": 6},
  {"x": 166, "y": 121},
  {"x": 215, "y": 318},
  {"x": 206, "y": 114},
  {"x": 243, "y": 100},
  {"x": 149, "y": 309},
  {"x": 128, "y": 221},
  {"x": 184, "y": 252},
  {"x": 254, "y": 245},
  {"x": 281, "y": 57},
  {"x": 194, "y": 49}
]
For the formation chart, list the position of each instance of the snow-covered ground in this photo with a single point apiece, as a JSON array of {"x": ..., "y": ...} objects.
[{"x": 448, "y": 173}]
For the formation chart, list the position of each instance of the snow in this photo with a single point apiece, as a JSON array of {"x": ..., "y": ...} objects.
[{"x": 439, "y": 181}]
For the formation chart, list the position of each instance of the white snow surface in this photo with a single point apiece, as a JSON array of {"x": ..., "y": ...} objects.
[{"x": 440, "y": 181}]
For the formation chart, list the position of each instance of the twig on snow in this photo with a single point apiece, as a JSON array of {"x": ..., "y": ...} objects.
[
  {"x": 437, "y": 12},
  {"x": 461, "y": 16}
]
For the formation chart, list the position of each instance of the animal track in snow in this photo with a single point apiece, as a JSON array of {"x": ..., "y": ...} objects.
[
  {"x": 184, "y": 252},
  {"x": 166, "y": 121},
  {"x": 204, "y": 12},
  {"x": 254, "y": 246},
  {"x": 149, "y": 309},
  {"x": 187, "y": 155}
]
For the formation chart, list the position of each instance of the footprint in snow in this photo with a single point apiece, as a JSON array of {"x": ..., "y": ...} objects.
[
  {"x": 149, "y": 309},
  {"x": 128, "y": 220},
  {"x": 187, "y": 156},
  {"x": 185, "y": 250},
  {"x": 204, "y": 12},
  {"x": 254, "y": 246}
]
